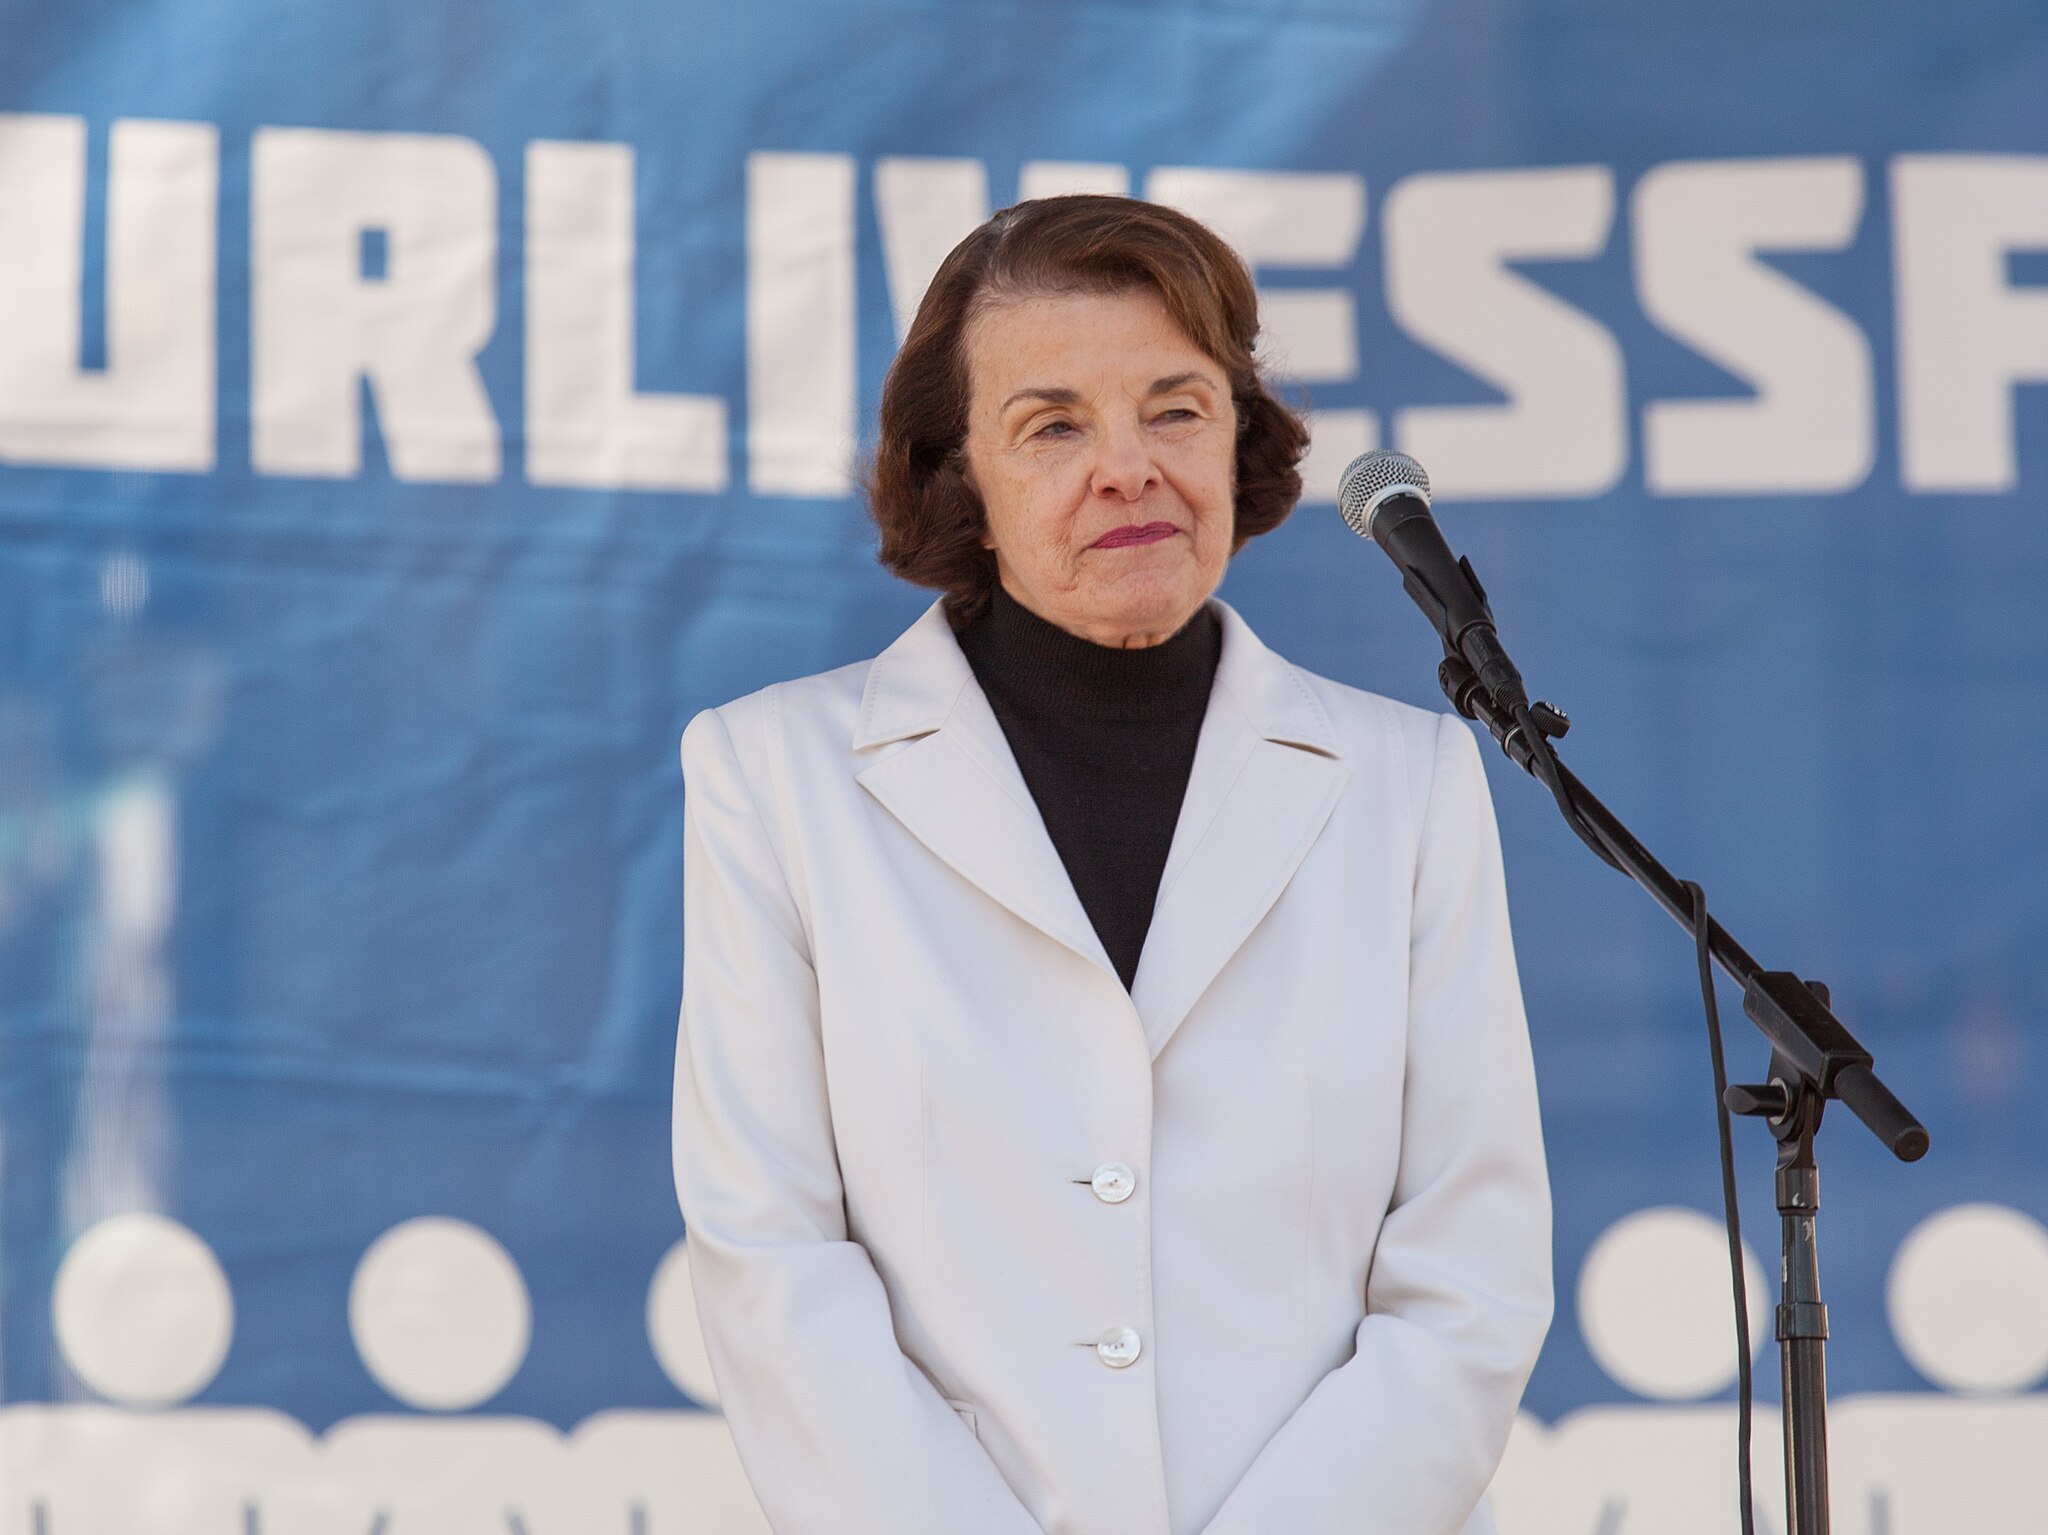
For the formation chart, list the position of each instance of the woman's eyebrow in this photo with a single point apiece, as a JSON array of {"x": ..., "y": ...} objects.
[
  {"x": 1059, "y": 396},
  {"x": 1048, "y": 395}
]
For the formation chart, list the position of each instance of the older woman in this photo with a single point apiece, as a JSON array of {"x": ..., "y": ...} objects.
[{"x": 1103, "y": 1101}]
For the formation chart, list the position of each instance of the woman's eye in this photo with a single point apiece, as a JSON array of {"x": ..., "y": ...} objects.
[
  {"x": 1177, "y": 413},
  {"x": 1055, "y": 429}
]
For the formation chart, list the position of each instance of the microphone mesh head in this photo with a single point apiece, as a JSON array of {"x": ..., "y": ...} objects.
[{"x": 1369, "y": 479}]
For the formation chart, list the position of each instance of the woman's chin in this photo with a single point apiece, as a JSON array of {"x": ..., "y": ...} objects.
[{"x": 1152, "y": 609}]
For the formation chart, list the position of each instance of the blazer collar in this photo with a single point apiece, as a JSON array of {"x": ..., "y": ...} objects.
[
  {"x": 1266, "y": 775},
  {"x": 916, "y": 683}
]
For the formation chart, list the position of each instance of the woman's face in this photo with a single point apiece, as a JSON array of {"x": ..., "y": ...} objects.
[{"x": 1103, "y": 444}]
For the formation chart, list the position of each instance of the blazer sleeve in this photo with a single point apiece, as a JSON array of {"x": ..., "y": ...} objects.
[
  {"x": 1405, "y": 1435},
  {"x": 840, "y": 1433}
]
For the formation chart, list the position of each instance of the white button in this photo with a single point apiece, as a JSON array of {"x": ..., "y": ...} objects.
[
  {"x": 1118, "y": 1347},
  {"x": 1113, "y": 1183}
]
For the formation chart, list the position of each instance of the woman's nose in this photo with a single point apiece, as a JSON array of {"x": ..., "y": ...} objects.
[{"x": 1123, "y": 464}]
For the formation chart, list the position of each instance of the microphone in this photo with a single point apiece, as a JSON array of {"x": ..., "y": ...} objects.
[{"x": 1385, "y": 497}]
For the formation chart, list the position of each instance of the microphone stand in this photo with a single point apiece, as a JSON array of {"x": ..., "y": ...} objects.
[{"x": 1813, "y": 1058}]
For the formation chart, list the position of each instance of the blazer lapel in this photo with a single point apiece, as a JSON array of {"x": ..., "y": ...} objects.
[
  {"x": 1266, "y": 777},
  {"x": 954, "y": 784}
]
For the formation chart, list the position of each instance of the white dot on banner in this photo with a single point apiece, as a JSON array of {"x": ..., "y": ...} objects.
[
  {"x": 439, "y": 1313},
  {"x": 1968, "y": 1299},
  {"x": 142, "y": 1311},
  {"x": 1657, "y": 1309},
  {"x": 672, "y": 1328}
]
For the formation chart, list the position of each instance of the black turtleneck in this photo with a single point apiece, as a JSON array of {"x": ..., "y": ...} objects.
[{"x": 1105, "y": 739}]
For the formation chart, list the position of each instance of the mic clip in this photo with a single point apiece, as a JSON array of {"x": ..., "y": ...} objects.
[{"x": 1469, "y": 696}]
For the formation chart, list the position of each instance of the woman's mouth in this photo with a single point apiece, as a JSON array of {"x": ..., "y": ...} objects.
[{"x": 1135, "y": 533}]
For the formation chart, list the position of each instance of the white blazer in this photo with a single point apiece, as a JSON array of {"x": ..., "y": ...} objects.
[{"x": 984, "y": 1244}]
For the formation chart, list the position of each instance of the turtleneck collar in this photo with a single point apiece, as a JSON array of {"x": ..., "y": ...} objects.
[{"x": 1039, "y": 669}]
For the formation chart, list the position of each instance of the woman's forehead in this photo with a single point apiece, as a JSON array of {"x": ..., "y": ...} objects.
[{"x": 1079, "y": 342}]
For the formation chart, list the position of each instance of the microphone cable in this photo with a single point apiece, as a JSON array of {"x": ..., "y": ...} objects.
[{"x": 1744, "y": 1375}]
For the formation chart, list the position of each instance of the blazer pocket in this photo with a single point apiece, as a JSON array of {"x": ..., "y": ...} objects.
[{"x": 966, "y": 1415}]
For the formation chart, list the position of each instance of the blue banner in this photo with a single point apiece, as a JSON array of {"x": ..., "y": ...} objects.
[{"x": 410, "y": 415}]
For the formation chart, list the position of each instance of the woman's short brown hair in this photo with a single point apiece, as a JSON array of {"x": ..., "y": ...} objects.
[{"x": 930, "y": 518}]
